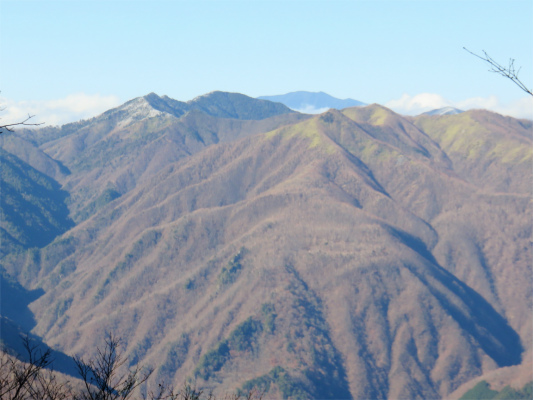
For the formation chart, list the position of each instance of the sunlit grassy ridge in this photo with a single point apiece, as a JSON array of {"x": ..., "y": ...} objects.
[
  {"x": 386, "y": 136},
  {"x": 486, "y": 149},
  {"x": 374, "y": 114},
  {"x": 464, "y": 135},
  {"x": 310, "y": 130},
  {"x": 334, "y": 130}
]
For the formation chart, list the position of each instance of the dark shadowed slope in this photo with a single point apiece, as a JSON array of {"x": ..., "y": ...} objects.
[
  {"x": 33, "y": 207},
  {"x": 26, "y": 151}
]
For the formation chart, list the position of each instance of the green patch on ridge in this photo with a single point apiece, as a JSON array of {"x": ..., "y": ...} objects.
[
  {"x": 482, "y": 391},
  {"x": 229, "y": 273},
  {"x": 308, "y": 129},
  {"x": 373, "y": 115},
  {"x": 463, "y": 135},
  {"x": 243, "y": 338}
]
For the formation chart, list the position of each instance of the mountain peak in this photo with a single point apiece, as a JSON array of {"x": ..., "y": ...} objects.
[
  {"x": 140, "y": 108},
  {"x": 236, "y": 105},
  {"x": 205, "y": 95},
  {"x": 312, "y": 102},
  {"x": 216, "y": 103},
  {"x": 152, "y": 95}
]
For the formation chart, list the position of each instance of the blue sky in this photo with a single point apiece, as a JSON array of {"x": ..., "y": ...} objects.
[{"x": 71, "y": 59}]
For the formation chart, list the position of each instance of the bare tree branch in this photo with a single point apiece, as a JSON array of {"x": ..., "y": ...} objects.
[
  {"x": 9, "y": 127},
  {"x": 21, "y": 380},
  {"x": 508, "y": 72},
  {"x": 102, "y": 375}
]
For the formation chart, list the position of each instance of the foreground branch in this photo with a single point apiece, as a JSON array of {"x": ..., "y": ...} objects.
[
  {"x": 103, "y": 377},
  {"x": 27, "y": 380},
  {"x": 508, "y": 72},
  {"x": 9, "y": 127}
]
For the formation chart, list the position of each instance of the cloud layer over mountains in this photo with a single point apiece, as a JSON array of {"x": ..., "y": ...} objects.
[{"x": 420, "y": 103}]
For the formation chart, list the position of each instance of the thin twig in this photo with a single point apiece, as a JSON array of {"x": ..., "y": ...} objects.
[
  {"x": 9, "y": 127},
  {"x": 508, "y": 72}
]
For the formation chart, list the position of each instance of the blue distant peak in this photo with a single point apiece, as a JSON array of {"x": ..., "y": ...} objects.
[{"x": 307, "y": 101}]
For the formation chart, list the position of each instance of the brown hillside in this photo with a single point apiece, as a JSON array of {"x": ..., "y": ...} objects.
[
  {"x": 111, "y": 153},
  {"x": 352, "y": 254}
]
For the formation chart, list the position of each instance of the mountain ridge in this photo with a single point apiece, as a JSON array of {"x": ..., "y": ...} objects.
[
  {"x": 356, "y": 253},
  {"x": 219, "y": 104},
  {"x": 131, "y": 141}
]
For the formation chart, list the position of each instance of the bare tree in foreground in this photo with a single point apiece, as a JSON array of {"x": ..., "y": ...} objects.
[
  {"x": 103, "y": 377},
  {"x": 508, "y": 72},
  {"x": 19, "y": 380}
]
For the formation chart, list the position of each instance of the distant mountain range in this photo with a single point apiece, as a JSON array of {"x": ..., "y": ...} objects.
[
  {"x": 236, "y": 243},
  {"x": 312, "y": 102},
  {"x": 319, "y": 102}
]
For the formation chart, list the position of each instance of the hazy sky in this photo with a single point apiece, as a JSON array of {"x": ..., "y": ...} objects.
[{"x": 69, "y": 59}]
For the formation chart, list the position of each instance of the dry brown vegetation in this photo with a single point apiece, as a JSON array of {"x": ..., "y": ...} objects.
[
  {"x": 353, "y": 254},
  {"x": 103, "y": 377}
]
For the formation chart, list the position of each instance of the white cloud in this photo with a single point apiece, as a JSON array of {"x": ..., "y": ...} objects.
[
  {"x": 58, "y": 111},
  {"x": 418, "y": 104},
  {"x": 414, "y": 105},
  {"x": 309, "y": 109}
]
